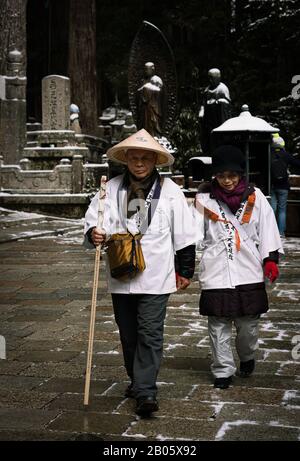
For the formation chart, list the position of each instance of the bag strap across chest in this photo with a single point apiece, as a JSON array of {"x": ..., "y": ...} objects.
[
  {"x": 238, "y": 230},
  {"x": 151, "y": 204}
]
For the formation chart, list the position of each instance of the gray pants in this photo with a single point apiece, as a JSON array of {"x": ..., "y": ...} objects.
[
  {"x": 246, "y": 342},
  {"x": 140, "y": 319}
]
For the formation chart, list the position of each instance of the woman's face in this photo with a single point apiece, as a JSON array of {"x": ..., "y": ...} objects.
[{"x": 228, "y": 180}]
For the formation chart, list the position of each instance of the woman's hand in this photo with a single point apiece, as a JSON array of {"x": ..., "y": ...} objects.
[{"x": 181, "y": 282}]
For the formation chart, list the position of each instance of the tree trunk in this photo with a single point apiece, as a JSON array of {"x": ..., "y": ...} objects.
[
  {"x": 12, "y": 31},
  {"x": 82, "y": 61}
]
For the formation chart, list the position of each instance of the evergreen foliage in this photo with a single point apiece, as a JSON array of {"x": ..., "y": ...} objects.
[{"x": 255, "y": 43}]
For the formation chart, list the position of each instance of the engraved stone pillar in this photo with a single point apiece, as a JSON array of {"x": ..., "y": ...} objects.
[
  {"x": 77, "y": 173},
  {"x": 56, "y": 102},
  {"x": 13, "y": 109}
]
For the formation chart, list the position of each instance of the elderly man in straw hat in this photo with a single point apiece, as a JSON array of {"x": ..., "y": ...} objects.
[{"x": 142, "y": 203}]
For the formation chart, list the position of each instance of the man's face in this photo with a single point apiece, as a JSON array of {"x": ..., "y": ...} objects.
[{"x": 140, "y": 163}]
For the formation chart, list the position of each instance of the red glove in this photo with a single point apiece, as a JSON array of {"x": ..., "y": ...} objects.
[{"x": 271, "y": 271}]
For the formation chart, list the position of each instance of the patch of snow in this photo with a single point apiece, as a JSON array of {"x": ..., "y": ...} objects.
[
  {"x": 163, "y": 438},
  {"x": 217, "y": 409},
  {"x": 273, "y": 350},
  {"x": 291, "y": 294},
  {"x": 195, "y": 326},
  {"x": 107, "y": 390},
  {"x": 194, "y": 387},
  {"x": 131, "y": 425},
  {"x": 108, "y": 353},
  {"x": 227, "y": 426},
  {"x": 289, "y": 395},
  {"x": 170, "y": 347},
  {"x": 265, "y": 326},
  {"x": 203, "y": 341}
]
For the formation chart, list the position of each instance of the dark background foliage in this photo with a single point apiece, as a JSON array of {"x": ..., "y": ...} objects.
[{"x": 255, "y": 43}]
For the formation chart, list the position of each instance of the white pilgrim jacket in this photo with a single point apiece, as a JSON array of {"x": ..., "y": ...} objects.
[
  {"x": 172, "y": 228},
  {"x": 224, "y": 266}
]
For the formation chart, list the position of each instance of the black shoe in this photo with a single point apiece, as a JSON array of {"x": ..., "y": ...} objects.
[
  {"x": 247, "y": 368},
  {"x": 129, "y": 393},
  {"x": 146, "y": 405},
  {"x": 223, "y": 383}
]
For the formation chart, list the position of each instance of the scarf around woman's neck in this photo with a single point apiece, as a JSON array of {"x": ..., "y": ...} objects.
[
  {"x": 138, "y": 189},
  {"x": 232, "y": 198}
]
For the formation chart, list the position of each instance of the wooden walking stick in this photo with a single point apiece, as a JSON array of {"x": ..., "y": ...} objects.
[{"x": 94, "y": 295}]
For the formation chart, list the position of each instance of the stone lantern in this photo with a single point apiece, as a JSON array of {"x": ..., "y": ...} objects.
[{"x": 253, "y": 136}]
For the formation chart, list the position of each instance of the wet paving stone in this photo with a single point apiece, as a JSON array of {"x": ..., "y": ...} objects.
[
  {"x": 74, "y": 370},
  {"x": 176, "y": 408},
  {"x": 268, "y": 381},
  {"x": 41, "y": 345},
  {"x": 164, "y": 390},
  {"x": 91, "y": 422},
  {"x": 72, "y": 402},
  {"x": 47, "y": 356},
  {"x": 104, "y": 359},
  {"x": 12, "y": 368},
  {"x": 183, "y": 376},
  {"x": 73, "y": 385},
  {"x": 24, "y": 435},
  {"x": 243, "y": 431},
  {"x": 186, "y": 363},
  {"x": 19, "y": 382},
  {"x": 12, "y": 418},
  {"x": 239, "y": 394},
  {"x": 271, "y": 414},
  {"x": 290, "y": 369},
  {"x": 164, "y": 428},
  {"x": 33, "y": 317},
  {"x": 24, "y": 399},
  {"x": 46, "y": 288},
  {"x": 54, "y": 370}
]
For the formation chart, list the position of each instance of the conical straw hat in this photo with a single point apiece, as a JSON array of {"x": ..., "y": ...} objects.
[{"x": 140, "y": 141}]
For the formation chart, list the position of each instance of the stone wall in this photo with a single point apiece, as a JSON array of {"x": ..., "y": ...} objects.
[{"x": 66, "y": 177}]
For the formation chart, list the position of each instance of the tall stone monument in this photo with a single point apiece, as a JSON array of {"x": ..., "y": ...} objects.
[
  {"x": 56, "y": 102},
  {"x": 56, "y": 141},
  {"x": 13, "y": 109}
]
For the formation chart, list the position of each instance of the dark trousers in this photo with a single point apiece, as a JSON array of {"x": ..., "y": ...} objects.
[{"x": 140, "y": 319}]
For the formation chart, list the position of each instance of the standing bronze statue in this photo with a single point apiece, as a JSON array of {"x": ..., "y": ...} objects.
[
  {"x": 152, "y": 82},
  {"x": 149, "y": 102},
  {"x": 216, "y": 108}
]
